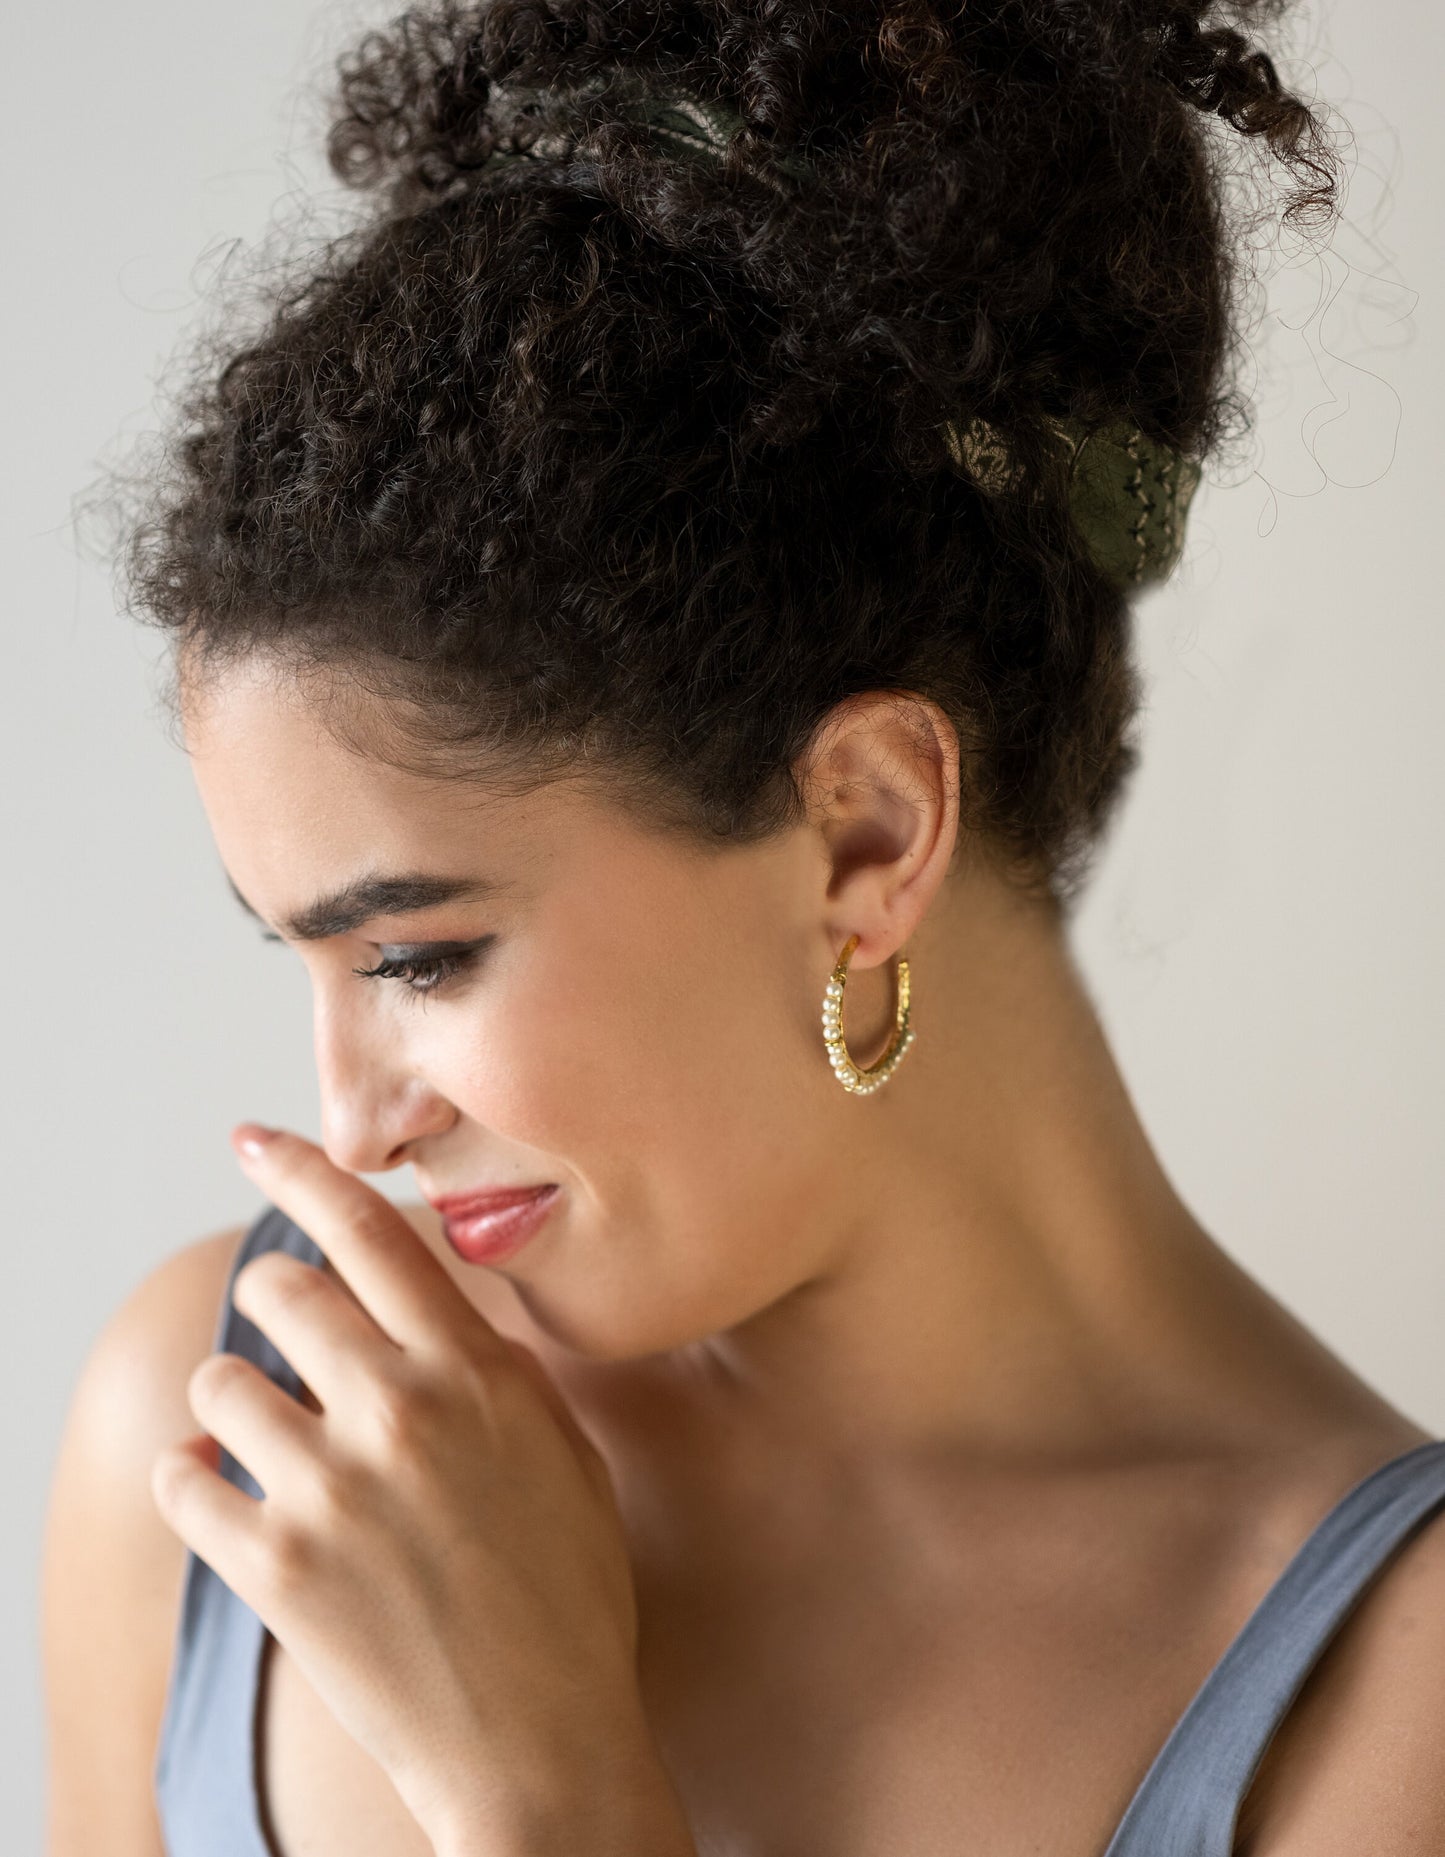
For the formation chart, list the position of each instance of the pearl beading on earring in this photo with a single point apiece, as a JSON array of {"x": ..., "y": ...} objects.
[{"x": 862, "y": 1082}]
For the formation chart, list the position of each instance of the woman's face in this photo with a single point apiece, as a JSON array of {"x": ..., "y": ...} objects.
[{"x": 632, "y": 1019}]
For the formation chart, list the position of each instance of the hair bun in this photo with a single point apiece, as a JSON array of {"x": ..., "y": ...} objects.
[{"x": 645, "y": 410}]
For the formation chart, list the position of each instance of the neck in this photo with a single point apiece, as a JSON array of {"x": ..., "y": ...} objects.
[{"x": 1003, "y": 1268}]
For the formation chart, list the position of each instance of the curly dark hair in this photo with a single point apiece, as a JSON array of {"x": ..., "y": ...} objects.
[{"x": 592, "y": 458}]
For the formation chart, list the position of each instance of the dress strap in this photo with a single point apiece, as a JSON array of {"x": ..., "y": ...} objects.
[
  {"x": 204, "y": 1773},
  {"x": 272, "y": 1230},
  {"x": 1188, "y": 1803}
]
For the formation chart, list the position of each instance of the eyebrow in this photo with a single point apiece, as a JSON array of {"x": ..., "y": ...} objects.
[{"x": 366, "y": 897}]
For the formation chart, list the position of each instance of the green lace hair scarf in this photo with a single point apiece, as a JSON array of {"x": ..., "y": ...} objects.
[{"x": 1128, "y": 494}]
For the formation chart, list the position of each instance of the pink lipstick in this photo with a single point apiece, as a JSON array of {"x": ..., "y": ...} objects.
[{"x": 487, "y": 1228}]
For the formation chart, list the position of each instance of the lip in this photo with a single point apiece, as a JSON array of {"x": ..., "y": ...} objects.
[
  {"x": 486, "y": 1228},
  {"x": 487, "y": 1199}
]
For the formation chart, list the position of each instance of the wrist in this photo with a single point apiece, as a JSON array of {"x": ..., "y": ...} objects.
[{"x": 614, "y": 1800}]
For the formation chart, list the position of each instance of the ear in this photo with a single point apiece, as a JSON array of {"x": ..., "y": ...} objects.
[{"x": 881, "y": 781}]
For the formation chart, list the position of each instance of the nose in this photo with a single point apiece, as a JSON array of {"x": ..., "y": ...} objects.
[{"x": 374, "y": 1105}]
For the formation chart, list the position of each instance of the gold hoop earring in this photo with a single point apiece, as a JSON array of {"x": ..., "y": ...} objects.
[{"x": 862, "y": 1082}]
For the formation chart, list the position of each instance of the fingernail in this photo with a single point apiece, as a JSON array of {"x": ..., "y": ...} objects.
[{"x": 249, "y": 1139}]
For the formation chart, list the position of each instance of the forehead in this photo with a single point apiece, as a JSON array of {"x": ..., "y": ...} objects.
[
  {"x": 256, "y": 735},
  {"x": 294, "y": 807}
]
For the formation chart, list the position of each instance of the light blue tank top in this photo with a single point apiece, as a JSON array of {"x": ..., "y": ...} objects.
[{"x": 1186, "y": 1805}]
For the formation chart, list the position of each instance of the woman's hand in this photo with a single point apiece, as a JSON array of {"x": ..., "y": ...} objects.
[{"x": 439, "y": 1546}]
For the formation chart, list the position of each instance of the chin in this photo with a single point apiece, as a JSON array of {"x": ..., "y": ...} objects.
[{"x": 637, "y": 1332}]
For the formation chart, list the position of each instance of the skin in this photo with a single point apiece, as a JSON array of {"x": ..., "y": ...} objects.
[{"x": 908, "y": 1399}]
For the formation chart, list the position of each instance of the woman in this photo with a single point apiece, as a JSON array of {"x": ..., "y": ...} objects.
[{"x": 661, "y": 586}]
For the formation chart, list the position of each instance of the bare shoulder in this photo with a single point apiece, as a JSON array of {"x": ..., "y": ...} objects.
[
  {"x": 136, "y": 1370},
  {"x": 129, "y": 1399},
  {"x": 1357, "y": 1763},
  {"x": 111, "y": 1571}
]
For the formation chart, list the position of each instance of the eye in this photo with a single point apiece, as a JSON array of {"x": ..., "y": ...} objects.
[{"x": 424, "y": 973}]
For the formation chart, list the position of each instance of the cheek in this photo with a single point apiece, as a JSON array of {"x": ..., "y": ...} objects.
[
  {"x": 668, "y": 1072},
  {"x": 510, "y": 1061},
  {"x": 683, "y": 1092},
  {"x": 583, "y": 1054},
  {"x": 686, "y": 1111}
]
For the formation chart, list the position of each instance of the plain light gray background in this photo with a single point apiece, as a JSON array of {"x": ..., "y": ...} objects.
[{"x": 1263, "y": 935}]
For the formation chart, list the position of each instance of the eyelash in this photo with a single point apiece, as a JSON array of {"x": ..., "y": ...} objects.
[{"x": 434, "y": 969}]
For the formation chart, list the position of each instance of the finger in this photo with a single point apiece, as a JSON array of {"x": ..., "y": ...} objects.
[
  {"x": 217, "y": 1521},
  {"x": 373, "y": 1247},
  {"x": 316, "y": 1324},
  {"x": 269, "y": 1433},
  {"x": 536, "y": 1373}
]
